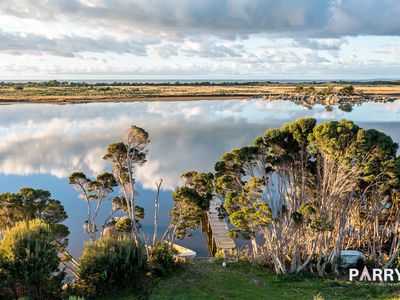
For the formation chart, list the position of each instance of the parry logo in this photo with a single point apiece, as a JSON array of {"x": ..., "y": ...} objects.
[{"x": 377, "y": 275}]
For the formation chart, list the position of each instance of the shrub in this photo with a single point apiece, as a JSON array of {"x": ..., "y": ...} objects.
[
  {"x": 107, "y": 265},
  {"x": 124, "y": 225},
  {"x": 346, "y": 107},
  {"x": 29, "y": 262},
  {"x": 299, "y": 89},
  {"x": 347, "y": 90},
  {"x": 162, "y": 259},
  {"x": 310, "y": 90}
]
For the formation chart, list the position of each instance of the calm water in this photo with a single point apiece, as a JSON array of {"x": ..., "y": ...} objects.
[{"x": 41, "y": 145}]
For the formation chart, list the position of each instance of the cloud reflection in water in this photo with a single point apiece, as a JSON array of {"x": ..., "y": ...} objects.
[{"x": 41, "y": 145}]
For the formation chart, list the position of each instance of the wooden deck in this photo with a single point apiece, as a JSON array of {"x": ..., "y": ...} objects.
[{"x": 219, "y": 227}]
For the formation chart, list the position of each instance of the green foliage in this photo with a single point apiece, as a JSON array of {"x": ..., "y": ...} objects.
[
  {"x": 346, "y": 107},
  {"x": 92, "y": 190},
  {"x": 191, "y": 201},
  {"x": 347, "y": 90},
  {"x": 29, "y": 262},
  {"x": 310, "y": 175},
  {"x": 299, "y": 89},
  {"x": 119, "y": 203},
  {"x": 131, "y": 150},
  {"x": 103, "y": 185},
  {"x": 310, "y": 90},
  {"x": 335, "y": 138},
  {"x": 247, "y": 210},
  {"x": 329, "y": 90},
  {"x": 301, "y": 129},
  {"x": 108, "y": 265},
  {"x": 126, "y": 156},
  {"x": 124, "y": 225},
  {"x": 320, "y": 224},
  {"x": 29, "y": 204},
  {"x": 162, "y": 260}
]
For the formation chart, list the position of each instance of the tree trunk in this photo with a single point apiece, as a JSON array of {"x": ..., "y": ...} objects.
[{"x": 158, "y": 185}]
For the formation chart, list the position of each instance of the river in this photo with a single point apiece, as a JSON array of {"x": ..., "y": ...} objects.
[{"x": 42, "y": 144}]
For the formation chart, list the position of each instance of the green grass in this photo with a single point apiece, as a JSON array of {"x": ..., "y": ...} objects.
[{"x": 205, "y": 280}]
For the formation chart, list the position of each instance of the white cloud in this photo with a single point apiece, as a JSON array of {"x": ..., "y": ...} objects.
[{"x": 210, "y": 38}]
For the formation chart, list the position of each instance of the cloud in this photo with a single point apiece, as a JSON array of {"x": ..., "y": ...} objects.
[
  {"x": 319, "y": 44},
  {"x": 16, "y": 43},
  {"x": 364, "y": 17},
  {"x": 214, "y": 38},
  {"x": 227, "y": 18}
]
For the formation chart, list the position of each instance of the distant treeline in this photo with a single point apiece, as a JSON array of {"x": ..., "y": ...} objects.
[{"x": 56, "y": 83}]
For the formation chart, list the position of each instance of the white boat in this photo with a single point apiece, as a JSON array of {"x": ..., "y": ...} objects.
[
  {"x": 184, "y": 252},
  {"x": 349, "y": 258}
]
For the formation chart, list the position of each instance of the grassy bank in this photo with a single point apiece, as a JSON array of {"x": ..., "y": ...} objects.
[
  {"x": 205, "y": 280},
  {"x": 93, "y": 93}
]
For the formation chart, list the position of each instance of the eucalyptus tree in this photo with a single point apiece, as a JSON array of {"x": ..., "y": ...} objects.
[
  {"x": 29, "y": 204},
  {"x": 376, "y": 217},
  {"x": 300, "y": 188},
  {"x": 126, "y": 156},
  {"x": 191, "y": 201},
  {"x": 264, "y": 185},
  {"x": 96, "y": 190},
  {"x": 336, "y": 177},
  {"x": 366, "y": 172}
]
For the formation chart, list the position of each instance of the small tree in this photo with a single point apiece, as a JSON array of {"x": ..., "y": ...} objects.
[
  {"x": 29, "y": 204},
  {"x": 191, "y": 201},
  {"x": 92, "y": 190},
  {"x": 29, "y": 262}
]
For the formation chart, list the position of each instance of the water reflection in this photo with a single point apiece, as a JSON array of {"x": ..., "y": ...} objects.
[{"x": 42, "y": 144}]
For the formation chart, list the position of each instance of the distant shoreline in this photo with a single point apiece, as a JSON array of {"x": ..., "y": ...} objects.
[
  {"x": 125, "y": 100},
  {"x": 323, "y": 93}
]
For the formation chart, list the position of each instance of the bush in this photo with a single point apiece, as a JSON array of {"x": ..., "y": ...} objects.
[
  {"x": 310, "y": 90},
  {"x": 347, "y": 90},
  {"x": 124, "y": 225},
  {"x": 29, "y": 262},
  {"x": 162, "y": 260},
  {"x": 299, "y": 89},
  {"x": 107, "y": 265}
]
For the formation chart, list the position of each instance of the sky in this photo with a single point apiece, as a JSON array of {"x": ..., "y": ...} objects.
[{"x": 193, "y": 39}]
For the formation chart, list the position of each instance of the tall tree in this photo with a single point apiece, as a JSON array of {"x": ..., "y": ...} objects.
[{"x": 126, "y": 156}]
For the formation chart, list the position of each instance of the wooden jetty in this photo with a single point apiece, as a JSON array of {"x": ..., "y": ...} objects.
[{"x": 219, "y": 228}]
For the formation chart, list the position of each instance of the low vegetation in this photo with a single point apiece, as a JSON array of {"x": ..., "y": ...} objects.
[
  {"x": 29, "y": 262},
  {"x": 55, "y": 91},
  {"x": 243, "y": 280},
  {"x": 107, "y": 265}
]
